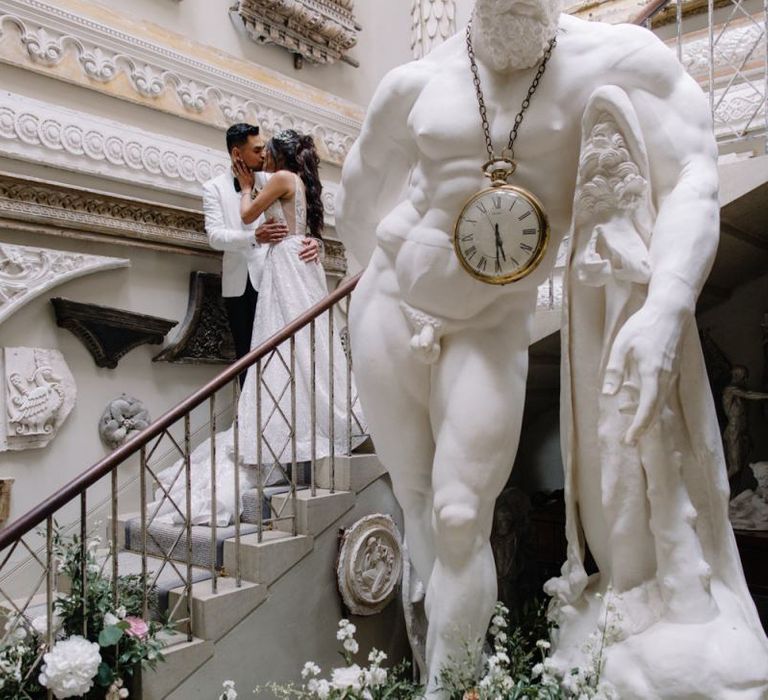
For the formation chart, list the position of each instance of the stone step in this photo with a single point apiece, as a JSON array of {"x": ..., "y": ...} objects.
[
  {"x": 215, "y": 614},
  {"x": 266, "y": 561},
  {"x": 250, "y": 498},
  {"x": 171, "y": 540},
  {"x": 182, "y": 658},
  {"x": 352, "y": 473},
  {"x": 314, "y": 514}
]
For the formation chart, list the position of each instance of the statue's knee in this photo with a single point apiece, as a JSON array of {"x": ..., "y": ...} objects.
[{"x": 457, "y": 524}]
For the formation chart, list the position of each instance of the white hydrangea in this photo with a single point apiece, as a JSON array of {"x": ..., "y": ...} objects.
[
  {"x": 310, "y": 669},
  {"x": 348, "y": 677},
  {"x": 70, "y": 667}
]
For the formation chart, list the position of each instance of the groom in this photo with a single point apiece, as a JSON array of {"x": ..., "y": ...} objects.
[{"x": 244, "y": 245}]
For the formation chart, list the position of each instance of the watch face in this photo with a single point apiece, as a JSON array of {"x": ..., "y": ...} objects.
[{"x": 501, "y": 234}]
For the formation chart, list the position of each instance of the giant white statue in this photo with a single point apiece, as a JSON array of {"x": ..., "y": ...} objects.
[{"x": 440, "y": 327}]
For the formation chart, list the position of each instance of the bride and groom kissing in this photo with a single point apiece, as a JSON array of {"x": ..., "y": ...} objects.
[{"x": 268, "y": 226}]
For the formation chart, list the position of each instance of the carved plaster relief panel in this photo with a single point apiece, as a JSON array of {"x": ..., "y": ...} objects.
[
  {"x": 39, "y": 393},
  {"x": 432, "y": 22},
  {"x": 370, "y": 564},
  {"x": 26, "y": 272},
  {"x": 123, "y": 418},
  {"x": 321, "y": 31},
  {"x": 125, "y": 60}
]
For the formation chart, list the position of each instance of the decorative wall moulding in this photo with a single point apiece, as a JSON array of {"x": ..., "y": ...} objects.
[
  {"x": 125, "y": 60},
  {"x": 109, "y": 333},
  {"x": 26, "y": 272},
  {"x": 204, "y": 336},
  {"x": 123, "y": 418},
  {"x": 49, "y": 204},
  {"x": 37, "y": 131},
  {"x": 39, "y": 393},
  {"x": 432, "y": 22},
  {"x": 370, "y": 564},
  {"x": 320, "y": 31}
]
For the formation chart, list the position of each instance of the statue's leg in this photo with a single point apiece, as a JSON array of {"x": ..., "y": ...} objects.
[
  {"x": 394, "y": 389},
  {"x": 476, "y": 405}
]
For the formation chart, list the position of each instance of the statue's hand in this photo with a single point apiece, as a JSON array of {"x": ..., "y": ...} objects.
[
  {"x": 425, "y": 345},
  {"x": 645, "y": 357}
]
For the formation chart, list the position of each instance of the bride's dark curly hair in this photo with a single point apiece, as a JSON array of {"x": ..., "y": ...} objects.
[{"x": 296, "y": 152}]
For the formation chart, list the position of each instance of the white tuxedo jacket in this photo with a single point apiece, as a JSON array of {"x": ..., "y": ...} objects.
[{"x": 243, "y": 256}]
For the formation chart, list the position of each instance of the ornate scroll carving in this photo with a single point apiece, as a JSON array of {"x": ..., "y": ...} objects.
[
  {"x": 204, "y": 335},
  {"x": 39, "y": 394},
  {"x": 321, "y": 31},
  {"x": 370, "y": 564},
  {"x": 123, "y": 418},
  {"x": 202, "y": 86},
  {"x": 109, "y": 333},
  {"x": 432, "y": 22},
  {"x": 26, "y": 272}
]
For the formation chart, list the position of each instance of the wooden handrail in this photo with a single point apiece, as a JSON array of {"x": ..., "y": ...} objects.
[
  {"x": 649, "y": 11},
  {"x": 21, "y": 526}
]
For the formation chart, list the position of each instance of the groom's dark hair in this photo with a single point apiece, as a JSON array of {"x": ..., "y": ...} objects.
[{"x": 238, "y": 134}]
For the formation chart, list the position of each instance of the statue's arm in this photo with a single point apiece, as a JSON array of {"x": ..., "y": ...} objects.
[
  {"x": 376, "y": 169},
  {"x": 752, "y": 395},
  {"x": 675, "y": 120}
]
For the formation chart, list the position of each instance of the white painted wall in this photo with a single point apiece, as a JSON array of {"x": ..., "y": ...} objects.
[{"x": 383, "y": 43}]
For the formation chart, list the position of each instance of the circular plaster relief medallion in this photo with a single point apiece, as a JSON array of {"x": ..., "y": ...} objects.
[
  {"x": 370, "y": 564},
  {"x": 123, "y": 418}
]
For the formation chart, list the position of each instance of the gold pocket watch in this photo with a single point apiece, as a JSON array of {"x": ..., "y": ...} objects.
[{"x": 502, "y": 232}]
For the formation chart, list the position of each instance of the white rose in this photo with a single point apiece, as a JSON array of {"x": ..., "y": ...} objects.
[
  {"x": 110, "y": 620},
  {"x": 349, "y": 677},
  {"x": 70, "y": 667}
]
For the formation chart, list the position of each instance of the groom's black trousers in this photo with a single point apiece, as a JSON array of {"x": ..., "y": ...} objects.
[{"x": 241, "y": 312}]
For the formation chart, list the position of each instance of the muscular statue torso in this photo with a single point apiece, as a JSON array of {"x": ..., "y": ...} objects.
[{"x": 449, "y": 151}]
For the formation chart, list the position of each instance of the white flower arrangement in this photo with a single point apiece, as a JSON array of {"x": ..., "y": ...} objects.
[{"x": 70, "y": 667}]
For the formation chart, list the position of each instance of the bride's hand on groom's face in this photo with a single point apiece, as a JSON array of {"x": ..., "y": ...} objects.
[{"x": 310, "y": 250}]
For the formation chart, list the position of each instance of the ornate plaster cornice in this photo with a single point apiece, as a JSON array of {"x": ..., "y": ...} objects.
[
  {"x": 320, "y": 31},
  {"x": 45, "y": 203},
  {"x": 115, "y": 55},
  {"x": 37, "y": 131}
]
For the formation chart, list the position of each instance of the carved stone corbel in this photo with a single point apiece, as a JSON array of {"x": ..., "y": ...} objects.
[
  {"x": 109, "y": 333},
  {"x": 204, "y": 335}
]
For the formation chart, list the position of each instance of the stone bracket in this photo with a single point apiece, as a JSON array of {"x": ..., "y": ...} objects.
[{"x": 109, "y": 333}]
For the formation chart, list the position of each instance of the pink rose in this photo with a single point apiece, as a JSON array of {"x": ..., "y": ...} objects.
[{"x": 137, "y": 627}]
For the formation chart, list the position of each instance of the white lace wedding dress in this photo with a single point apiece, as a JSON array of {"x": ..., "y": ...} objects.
[{"x": 289, "y": 287}]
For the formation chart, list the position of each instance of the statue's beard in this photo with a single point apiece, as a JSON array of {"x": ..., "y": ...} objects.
[{"x": 507, "y": 41}]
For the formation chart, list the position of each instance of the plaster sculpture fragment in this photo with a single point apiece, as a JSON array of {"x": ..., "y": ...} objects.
[
  {"x": 39, "y": 394},
  {"x": 736, "y": 438},
  {"x": 749, "y": 509},
  {"x": 652, "y": 507},
  {"x": 123, "y": 418},
  {"x": 441, "y": 358},
  {"x": 27, "y": 272},
  {"x": 370, "y": 564},
  {"x": 6, "y": 484}
]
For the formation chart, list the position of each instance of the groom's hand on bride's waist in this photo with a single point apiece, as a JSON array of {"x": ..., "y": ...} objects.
[
  {"x": 310, "y": 250},
  {"x": 271, "y": 232}
]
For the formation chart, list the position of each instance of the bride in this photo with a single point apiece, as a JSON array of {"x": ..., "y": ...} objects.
[{"x": 288, "y": 288}]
